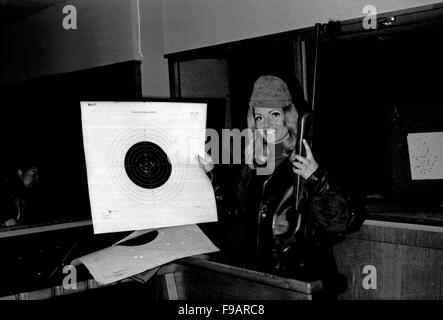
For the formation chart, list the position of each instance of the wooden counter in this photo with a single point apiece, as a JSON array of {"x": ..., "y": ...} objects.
[
  {"x": 408, "y": 260},
  {"x": 196, "y": 279},
  {"x": 192, "y": 278}
]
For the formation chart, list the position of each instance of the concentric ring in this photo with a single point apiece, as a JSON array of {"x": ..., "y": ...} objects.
[
  {"x": 147, "y": 165},
  {"x": 136, "y": 167}
]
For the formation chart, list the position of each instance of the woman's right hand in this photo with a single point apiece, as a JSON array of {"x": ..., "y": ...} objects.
[{"x": 206, "y": 163}]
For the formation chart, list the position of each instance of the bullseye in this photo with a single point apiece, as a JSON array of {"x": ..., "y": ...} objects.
[{"x": 147, "y": 165}]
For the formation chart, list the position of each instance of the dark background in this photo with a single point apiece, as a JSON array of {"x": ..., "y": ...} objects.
[
  {"x": 373, "y": 91},
  {"x": 41, "y": 122}
]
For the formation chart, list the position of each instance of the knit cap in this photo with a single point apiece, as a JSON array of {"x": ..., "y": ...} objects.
[{"x": 270, "y": 92}]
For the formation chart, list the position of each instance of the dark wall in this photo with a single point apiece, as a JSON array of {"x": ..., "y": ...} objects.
[
  {"x": 41, "y": 121},
  {"x": 373, "y": 92}
]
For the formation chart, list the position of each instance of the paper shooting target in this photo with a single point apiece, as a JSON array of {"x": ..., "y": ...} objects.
[
  {"x": 141, "y": 165},
  {"x": 144, "y": 165}
]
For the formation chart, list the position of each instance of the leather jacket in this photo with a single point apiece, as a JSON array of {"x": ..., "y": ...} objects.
[{"x": 288, "y": 233}]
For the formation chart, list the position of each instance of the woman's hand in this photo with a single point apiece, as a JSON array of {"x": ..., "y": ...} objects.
[
  {"x": 304, "y": 166},
  {"x": 205, "y": 163}
]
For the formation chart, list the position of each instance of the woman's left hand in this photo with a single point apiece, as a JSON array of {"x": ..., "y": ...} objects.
[{"x": 304, "y": 166}]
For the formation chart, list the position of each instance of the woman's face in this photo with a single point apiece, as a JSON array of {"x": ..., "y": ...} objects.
[{"x": 272, "y": 122}]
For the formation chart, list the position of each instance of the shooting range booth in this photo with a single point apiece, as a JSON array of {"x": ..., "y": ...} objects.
[{"x": 371, "y": 90}]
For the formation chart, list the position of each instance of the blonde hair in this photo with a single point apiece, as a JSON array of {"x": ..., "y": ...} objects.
[{"x": 290, "y": 120}]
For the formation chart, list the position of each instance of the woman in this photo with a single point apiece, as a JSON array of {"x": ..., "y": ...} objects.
[{"x": 280, "y": 232}]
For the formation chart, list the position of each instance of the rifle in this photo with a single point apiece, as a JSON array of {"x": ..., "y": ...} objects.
[
  {"x": 304, "y": 133},
  {"x": 295, "y": 261}
]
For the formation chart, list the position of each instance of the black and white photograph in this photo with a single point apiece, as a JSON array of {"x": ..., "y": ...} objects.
[{"x": 220, "y": 154}]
